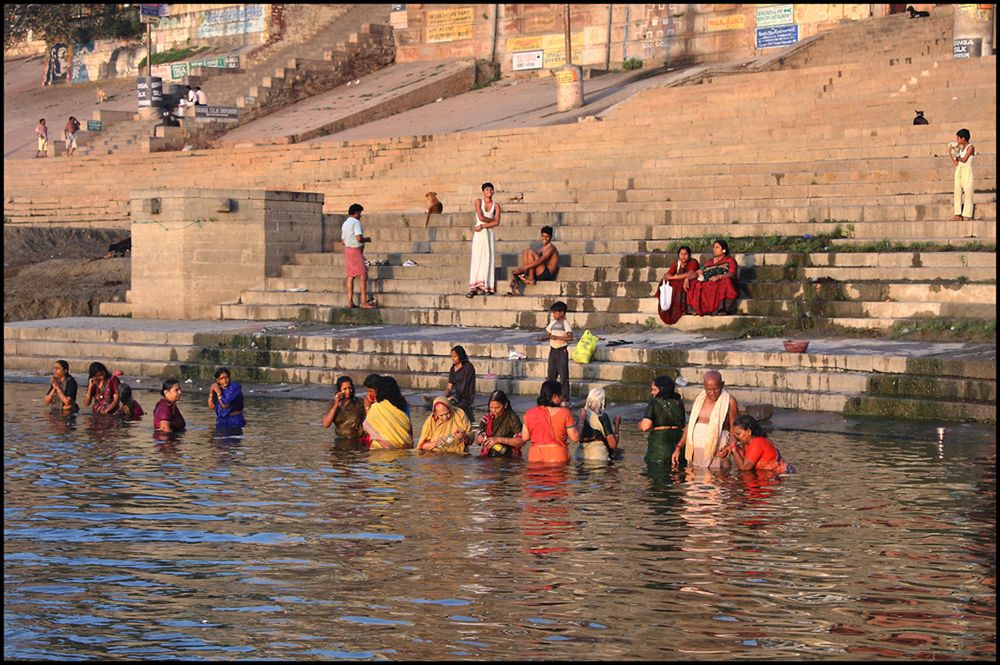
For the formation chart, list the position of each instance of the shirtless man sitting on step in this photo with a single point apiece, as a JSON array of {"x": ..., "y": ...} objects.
[{"x": 541, "y": 267}]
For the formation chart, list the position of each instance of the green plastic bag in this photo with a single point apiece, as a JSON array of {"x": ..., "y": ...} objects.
[{"x": 585, "y": 348}]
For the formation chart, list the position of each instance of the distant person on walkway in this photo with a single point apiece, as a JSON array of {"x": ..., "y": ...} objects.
[
  {"x": 962, "y": 153},
  {"x": 189, "y": 99},
  {"x": 548, "y": 427},
  {"x": 919, "y": 119},
  {"x": 752, "y": 450},
  {"x": 388, "y": 422},
  {"x": 541, "y": 267},
  {"x": 446, "y": 430},
  {"x": 716, "y": 288},
  {"x": 500, "y": 429},
  {"x": 102, "y": 390},
  {"x": 559, "y": 334},
  {"x": 482, "y": 271},
  {"x": 461, "y": 388},
  {"x": 42, "y": 132},
  {"x": 712, "y": 417},
  {"x": 225, "y": 396},
  {"x": 167, "y": 417},
  {"x": 61, "y": 397},
  {"x": 664, "y": 420},
  {"x": 200, "y": 98},
  {"x": 347, "y": 411},
  {"x": 353, "y": 236},
  {"x": 69, "y": 133},
  {"x": 598, "y": 435},
  {"x": 678, "y": 277}
]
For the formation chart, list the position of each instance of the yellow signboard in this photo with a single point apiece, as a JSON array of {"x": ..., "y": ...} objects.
[
  {"x": 729, "y": 22},
  {"x": 554, "y": 47},
  {"x": 448, "y": 25}
]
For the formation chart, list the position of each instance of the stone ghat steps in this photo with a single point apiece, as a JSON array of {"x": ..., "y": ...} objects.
[
  {"x": 428, "y": 372},
  {"x": 598, "y": 311},
  {"x": 469, "y": 316},
  {"x": 749, "y": 313},
  {"x": 867, "y": 383},
  {"x": 880, "y": 291},
  {"x": 812, "y": 400},
  {"x": 843, "y": 265}
]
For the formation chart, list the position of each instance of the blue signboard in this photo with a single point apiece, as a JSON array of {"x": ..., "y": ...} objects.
[{"x": 777, "y": 35}]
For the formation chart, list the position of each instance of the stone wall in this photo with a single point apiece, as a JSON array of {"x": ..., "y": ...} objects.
[
  {"x": 223, "y": 25},
  {"x": 193, "y": 249},
  {"x": 530, "y": 38}
]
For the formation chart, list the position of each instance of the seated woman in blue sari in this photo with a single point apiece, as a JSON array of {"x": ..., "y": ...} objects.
[{"x": 226, "y": 397}]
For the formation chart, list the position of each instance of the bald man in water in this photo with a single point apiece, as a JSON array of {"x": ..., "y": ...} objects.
[{"x": 702, "y": 433}]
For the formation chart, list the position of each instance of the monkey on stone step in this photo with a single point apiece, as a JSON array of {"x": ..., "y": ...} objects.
[{"x": 434, "y": 207}]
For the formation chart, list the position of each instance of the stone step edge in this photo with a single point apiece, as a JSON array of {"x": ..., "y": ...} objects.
[{"x": 826, "y": 363}]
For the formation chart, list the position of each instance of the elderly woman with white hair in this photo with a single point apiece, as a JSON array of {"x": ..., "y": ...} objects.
[{"x": 598, "y": 440}]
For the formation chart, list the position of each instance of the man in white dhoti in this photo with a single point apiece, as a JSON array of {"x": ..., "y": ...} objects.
[{"x": 712, "y": 416}]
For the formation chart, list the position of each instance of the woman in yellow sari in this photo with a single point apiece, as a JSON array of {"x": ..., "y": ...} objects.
[
  {"x": 388, "y": 421},
  {"x": 446, "y": 430}
]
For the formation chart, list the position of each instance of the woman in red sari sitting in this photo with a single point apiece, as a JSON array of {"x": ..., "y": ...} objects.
[
  {"x": 717, "y": 288},
  {"x": 678, "y": 276}
]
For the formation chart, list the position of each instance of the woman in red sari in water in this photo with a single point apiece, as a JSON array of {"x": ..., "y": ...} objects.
[
  {"x": 679, "y": 276},
  {"x": 717, "y": 287}
]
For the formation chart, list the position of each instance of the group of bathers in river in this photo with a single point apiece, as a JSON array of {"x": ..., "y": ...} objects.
[{"x": 715, "y": 436}]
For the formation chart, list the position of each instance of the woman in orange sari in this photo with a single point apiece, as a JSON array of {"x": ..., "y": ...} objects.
[
  {"x": 548, "y": 426},
  {"x": 717, "y": 288},
  {"x": 678, "y": 276}
]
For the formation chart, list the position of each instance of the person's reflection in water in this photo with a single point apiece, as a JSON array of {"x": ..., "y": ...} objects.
[
  {"x": 60, "y": 423},
  {"x": 545, "y": 513},
  {"x": 104, "y": 428},
  {"x": 226, "y": 441}
]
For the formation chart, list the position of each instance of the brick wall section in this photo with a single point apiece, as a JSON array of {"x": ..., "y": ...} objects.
[{"x": 188, "y": 256}]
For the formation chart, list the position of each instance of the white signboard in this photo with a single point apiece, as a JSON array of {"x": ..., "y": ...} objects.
[
  {"x": 768, "y": 15},
  {"x": 527, "y": 60}
]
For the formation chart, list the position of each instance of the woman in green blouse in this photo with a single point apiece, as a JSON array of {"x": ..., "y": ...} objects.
[{"x": 664, "y": 420}]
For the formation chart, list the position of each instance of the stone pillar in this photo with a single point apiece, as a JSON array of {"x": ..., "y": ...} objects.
[
  {"x": 569, "y": 87},
  {"x": 194, "y": 249},
  {"x": 973, "y": 31}
]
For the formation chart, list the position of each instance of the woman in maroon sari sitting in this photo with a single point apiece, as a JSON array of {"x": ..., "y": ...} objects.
[
  {"x": 716, "y": 288},
  {"x": 678, "y": 276}
]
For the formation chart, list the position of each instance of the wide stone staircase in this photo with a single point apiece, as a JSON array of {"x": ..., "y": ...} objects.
[
  {"x": 608, "y": 283},
  {"x": 822, "y": 150},
  {"x": 890, "y": 40}
]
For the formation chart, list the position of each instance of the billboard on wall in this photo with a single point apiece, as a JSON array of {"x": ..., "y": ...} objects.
[
  {"x": 448, "y": 25},
  {"x": 778, "y": 35},
  {"x": 768, "y": 15},
  {"x": 527, "y": 60}
]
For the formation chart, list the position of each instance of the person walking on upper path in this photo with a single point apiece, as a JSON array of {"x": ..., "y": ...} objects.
[
  {"x": 962, "y": 153},
  {"x": 42, "y": 132},
  {"x": 354, "y": 239},
  {"x": 69, "y": 133},
  {"x": 482, "y": 271}
]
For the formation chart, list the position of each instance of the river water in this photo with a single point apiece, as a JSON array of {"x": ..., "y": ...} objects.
[{"x": 279, "y": 544}]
